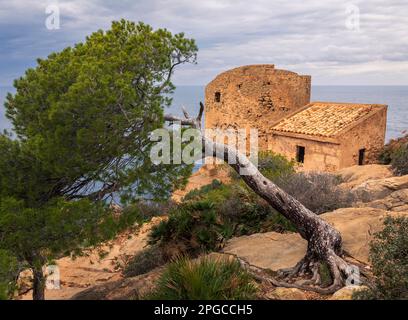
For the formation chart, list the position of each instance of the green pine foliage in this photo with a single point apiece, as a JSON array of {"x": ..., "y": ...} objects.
[
  {"x": 82, "y": 119},
  {"x": 275, "y": 166},
  {"x": 85, "y": 113},
  {"x": 9, "y": 271}
]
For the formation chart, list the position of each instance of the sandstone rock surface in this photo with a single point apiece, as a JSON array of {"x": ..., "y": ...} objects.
[
  {"x": 269, "y": 250},
  {"x": 356, "y": 175},
  {"x": 396, "y": 201},
  {"x": 122, "y": 289},
  {"x": 275, "y": 251},
  {"x": 286, "y": 294},
  {"x": 91, "y": 270},
  {"x": 379, "y": 189},
  {"x": 346, "y": 293}
]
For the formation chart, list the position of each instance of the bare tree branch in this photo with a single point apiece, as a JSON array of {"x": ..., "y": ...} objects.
[{"x": 185, "y": 122}]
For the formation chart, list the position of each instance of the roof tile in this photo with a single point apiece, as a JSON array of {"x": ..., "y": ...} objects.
[{"x": 324, "y": 118}]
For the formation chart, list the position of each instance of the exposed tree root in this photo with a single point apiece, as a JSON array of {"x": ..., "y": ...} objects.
[{"x": 289, "y": 278}]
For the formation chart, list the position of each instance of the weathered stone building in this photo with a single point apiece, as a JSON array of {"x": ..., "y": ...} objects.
[
  {"x": 322, "y": 136},
  {"x": 328, "y": 136},
  {"x": 254, "y": 97}
]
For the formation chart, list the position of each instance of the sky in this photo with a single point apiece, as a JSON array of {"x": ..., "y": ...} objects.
[{"x": 336, "y": 42}]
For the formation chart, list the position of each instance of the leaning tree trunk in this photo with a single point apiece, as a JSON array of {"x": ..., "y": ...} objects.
[
  {"x": 38, "y": 284},
  {"x": 324, "y": 241}
]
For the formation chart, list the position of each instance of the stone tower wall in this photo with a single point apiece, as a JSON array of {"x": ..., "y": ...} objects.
[{"x": 254, "y": 96}]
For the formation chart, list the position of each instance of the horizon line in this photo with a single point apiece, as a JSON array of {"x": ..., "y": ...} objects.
[{"x": 313, "y": 85}]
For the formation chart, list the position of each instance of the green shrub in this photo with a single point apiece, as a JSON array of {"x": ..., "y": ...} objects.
[
  {"x": 279, "y": 223},
  {"x": 204, "y": 279},
  {"x": 319, "y": 192},
  {"x": 399, "y": 162},
  {"x": 246, "y": 213},
  {"x": 213, "y": 214},
  {"x": 389, "y": 259},
  {"x": 216, "y": 212},
  {"x": 143, "y": 211},
  {"x": 275, "y": 166},
  {"x": 214, "y": 185},
  {"x": 395, "y": 153},
  {"x": 387, "y": 153},
  {"x": 271, "y": 165},
  {"x": 9, "y": 272},
  {"x": 192, "y": 226}
]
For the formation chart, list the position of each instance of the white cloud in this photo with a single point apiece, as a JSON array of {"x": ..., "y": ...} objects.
[{"x": 307, "y": 37}]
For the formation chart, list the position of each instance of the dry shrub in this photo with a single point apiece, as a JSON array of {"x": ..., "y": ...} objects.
[
  {"x": 145, "y": 261},
  {"x": 319, "y": 192}
]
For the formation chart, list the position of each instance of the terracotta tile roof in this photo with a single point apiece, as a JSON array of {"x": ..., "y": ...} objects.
[{"x": 324, "y": 118}]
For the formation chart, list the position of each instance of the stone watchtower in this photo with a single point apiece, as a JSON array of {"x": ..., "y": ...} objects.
[{"x": 255, "y": 96}]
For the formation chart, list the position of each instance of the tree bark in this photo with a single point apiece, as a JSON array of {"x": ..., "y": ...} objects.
[
  {"x": 324, "y": 241},
  {"x": 38, "y": 284}
]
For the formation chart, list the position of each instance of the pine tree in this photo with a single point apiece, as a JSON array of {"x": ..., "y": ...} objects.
[{"x": 82, "y": 120}]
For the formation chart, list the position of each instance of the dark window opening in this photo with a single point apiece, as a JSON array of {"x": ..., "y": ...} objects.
[
  {"x": 218, "y": 97},
  {"x": 361, "y": 157},
  {"x": 300, "y": 154}
]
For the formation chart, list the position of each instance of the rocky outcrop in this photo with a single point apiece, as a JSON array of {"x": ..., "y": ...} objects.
[
  {"x": 379, "y": 189},
  {"x": 375, "y": 187},
  {"x": 94, "y": 268},
  {"x": 346, "y": 293},
  {"x": 396, "y": 201},
  {"x": 356, "y": 175},
  {"x": 357, "y": 227},
  {"x": 275, "y": 251},
  {"x": 286, "y": 294},
  {"x": 269, "y": 250}
]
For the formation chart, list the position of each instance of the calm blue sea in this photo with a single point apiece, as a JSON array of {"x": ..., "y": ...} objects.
[{"x": 396, "y": 97}]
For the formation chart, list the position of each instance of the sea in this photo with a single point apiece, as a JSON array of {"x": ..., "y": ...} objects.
[{"x": 396, "y": 97}]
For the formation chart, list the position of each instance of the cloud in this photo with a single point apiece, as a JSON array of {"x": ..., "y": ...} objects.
[{"x": 307, "y": 37}]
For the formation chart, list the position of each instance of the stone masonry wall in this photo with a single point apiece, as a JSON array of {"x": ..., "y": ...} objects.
[
  {"x": 254, "y": 96},
  {"x": 368, "y": 135},
  {"x": 319, "y": 155}
]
